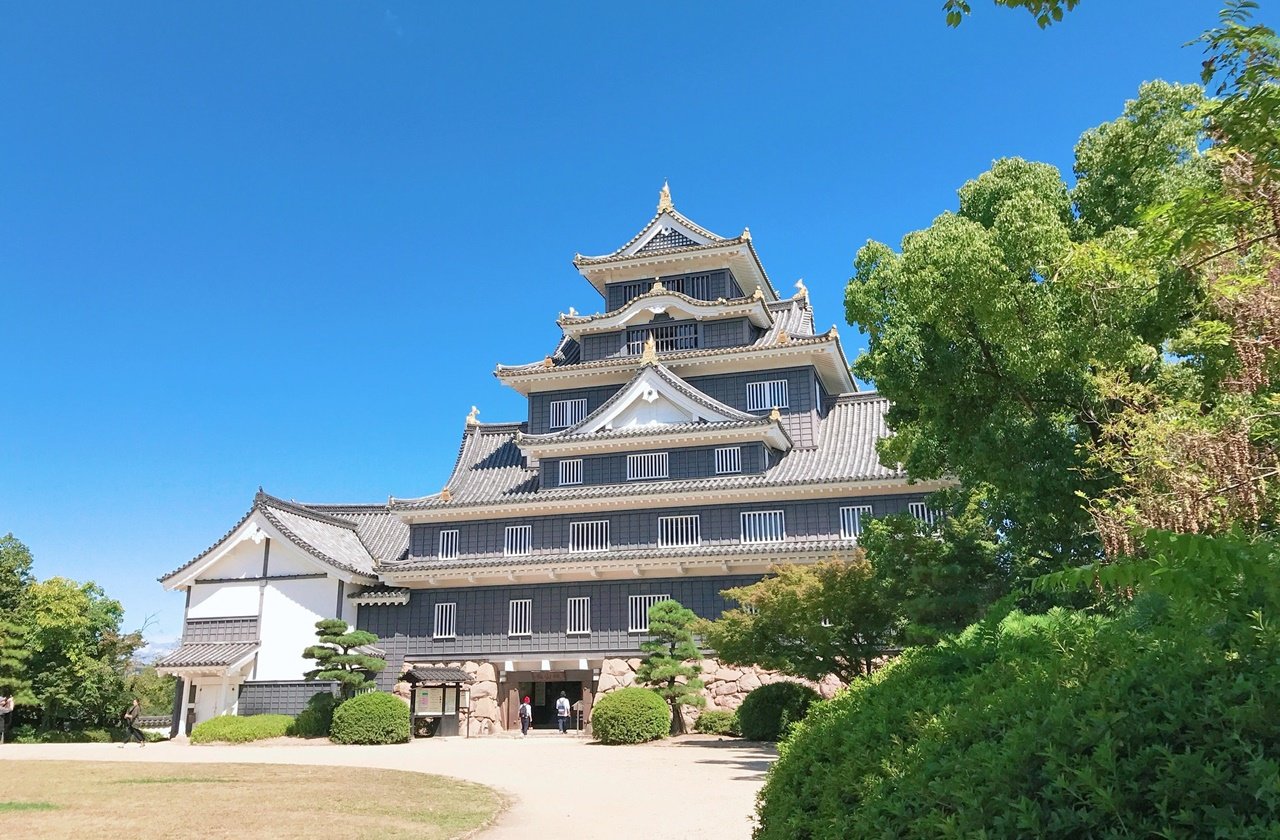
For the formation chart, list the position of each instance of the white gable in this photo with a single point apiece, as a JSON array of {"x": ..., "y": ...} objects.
[
  {"x": 668, "y": 226},
  {"x": 651, "y": 401}
]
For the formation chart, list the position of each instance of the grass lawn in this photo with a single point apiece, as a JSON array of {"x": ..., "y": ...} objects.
[{"x": 84, "y": 799}]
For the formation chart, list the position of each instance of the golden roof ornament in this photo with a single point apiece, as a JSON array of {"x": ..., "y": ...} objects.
[
  {"x": 802, "y": 291},
  {"x": 650, "y": 355},
  {"x": 746, "y": 234},
  {"x": 775, "y": 415},
  {"x": 758, "y": 294},
  {"x": 784, "y": 337},
  {"x": 471, "y": 418},
  {"x": 657, "y": 285},
  {"x": 548, "y": 362},
  {"x": 445, "y": 495},
  {"x": 664, "y": 197},
  {"x": 573, "y": 313}
]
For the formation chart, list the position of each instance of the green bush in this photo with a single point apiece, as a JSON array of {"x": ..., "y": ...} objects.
[
  {"x": 373, "y": 718},
  {"x": 317, "y": 718},
  {"x": 234, "y": 729},
  {"x": 630, "y": 716},
  {"x": 717, "y": 722},
  {"x": 769, "y": 712},
  {"x": 27, "y": 734}
]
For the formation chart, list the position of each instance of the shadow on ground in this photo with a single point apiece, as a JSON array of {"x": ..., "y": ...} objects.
[{"x": 753, "y": 757}]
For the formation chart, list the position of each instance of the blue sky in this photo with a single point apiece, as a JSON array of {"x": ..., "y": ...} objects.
[{"x": 285, "y": 244}]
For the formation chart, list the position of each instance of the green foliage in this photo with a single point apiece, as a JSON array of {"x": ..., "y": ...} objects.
[
  {"x": 15, "y": 575},
  {"x": 717, "y": 722},
  {"x": 630, "y": 716},
  {"x": 666, "y": 668},
  {"x": 153, "y": 690},
  {"x": 1046, "y": 12},
  {"x": 373, "y": 718},
  {"x": 769, "y": 712},
  {"x": 317, "y": 718},
  {"x": 338, "y": 659},
  {"x": 234, "y": 729},
  {"x": 13, "y": 658},
  {"x": 28, "y": 734}
]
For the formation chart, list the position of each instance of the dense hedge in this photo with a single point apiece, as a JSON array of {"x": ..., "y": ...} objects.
[
  {"x": 1059, "y": 725},
  {"x": 768, "y": 712},
  {"x": 30, "y": 735},
  {"x": 717, "y": 722},
  {"x": 315, "y": 720},
  {"x": 630, "y": 716},
  {"x": 239, "y": 730},
  {"x": 373, "y": 718}
]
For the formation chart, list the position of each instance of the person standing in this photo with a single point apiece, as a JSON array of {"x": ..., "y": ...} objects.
[
  {"x": 562, "y": 713},
  {"x": 6, "y": 708},
  {"x": 131, "y": 729},
  {"x": 526, "y": 716}
]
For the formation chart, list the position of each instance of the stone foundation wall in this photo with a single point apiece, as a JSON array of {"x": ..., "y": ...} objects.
[{"x": 486, "y": 715}]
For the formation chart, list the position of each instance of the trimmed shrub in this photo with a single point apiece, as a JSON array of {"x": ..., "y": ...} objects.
[
  {"x": 317, "y": 718},
  {"x": 373, "y": 718},
  {"x": 717, "y": 722},
  {"x": 233, "y": 729},
  {"x": 769, "y": 712},
  {"x": 630, "y": 716},
  {"x": 28, "y": 734}
]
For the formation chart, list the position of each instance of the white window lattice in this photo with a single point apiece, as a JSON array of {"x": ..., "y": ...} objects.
[
  {"x": 675, "y": 531},
  {"x": 760, "y": 526},
  {"x": 924, "y": 513},
  {"x": 579, "y": 612},
  {"x": 565, "y": 413},
  {"x": 728, "y": 460},
  {"x": 571, "y": 471},
  {"x": 518, "y": 540},
  {"x": 520, "y": 617},
  {"x": 852, "y": 518},
  {"x": 589, "y": 536},
  {"x": 638, "y": 611},
  {"x": 647, "y": 465},
  {"x": 762, "y": 396},
  {"x": 446, "y": 622},
  {"x": 448, "y": 544}
]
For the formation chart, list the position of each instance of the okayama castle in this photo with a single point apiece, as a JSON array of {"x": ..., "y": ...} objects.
[{"x": 694, "y": 434}]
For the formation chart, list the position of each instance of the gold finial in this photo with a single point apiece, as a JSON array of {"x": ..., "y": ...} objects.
[
  {"x": 657, "y": 285},
  {"x": 801, "y": 289},
  {"x": 746, "y": 233},
  {"x": 650, "y": 355},
  {"x": 758, "y": 294},
  {"x": 445, "y": 495},
  {"x": 471, "y": 418},
  {"x": 547, "y": 362},
  {"x": 664, "y": 197},
  {"x": 775, "y": 415},
  {"x": 784, "y": 337}
]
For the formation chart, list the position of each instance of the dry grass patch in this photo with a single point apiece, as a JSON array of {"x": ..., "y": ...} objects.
[{"x": 98, "y": 799}]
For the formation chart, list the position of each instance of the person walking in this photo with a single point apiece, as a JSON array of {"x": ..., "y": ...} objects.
[
  {"x": 6, "y": 708},
  {"x": 131, "y": 729},
  {"x": 526, "y": 716},
  {"x": 562, "y": 713}
]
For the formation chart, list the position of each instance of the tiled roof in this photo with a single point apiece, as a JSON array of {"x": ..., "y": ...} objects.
[
  {"x": 436, "y": 674},
  {"x": 572, "y": 320},
  {"x": 491, "y": 470},
  {"x": 384, "y": 535},
  {"x": 676, "y": 216},
  {"x": 209, "y": 655}
]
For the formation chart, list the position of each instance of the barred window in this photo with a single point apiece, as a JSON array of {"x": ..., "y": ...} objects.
[
  {"x": 446, "y": 622},
  {"x": 852, "y": 519},
  {"x": 762, "y": 396},
  {"x": 728, "y": 460},
  {"x": 448, "y": 544},
  {"x": 589, "y": 536},
  {"x": 759, "y": 526},
  {"x": 571, "y": 472},
  {"x": 518, "y": 540},
  {"x": 674, "y": 531},
  {"x": 579, "y": 610},
  {"x": 648, "y": 465},
  {"x": 924, "y": 513},
  {"x": 565, "y": 413},
  {"x": 519, "y": 615},
  {"x": 638, "y": 611}
]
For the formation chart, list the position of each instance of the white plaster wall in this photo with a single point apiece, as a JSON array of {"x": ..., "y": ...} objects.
[
  {"x": 210, "y": 699},
  {"x": 290, "y": 610},
  {"x": 243, "y": 560},
  {"x": 220, "y": 600},
  {"x": 287, "y": 559}
]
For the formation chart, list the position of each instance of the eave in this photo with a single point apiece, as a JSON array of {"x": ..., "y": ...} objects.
[
  {"x": 752, "y": 308},
  {"x": 768, "y": 432},
  {"x": 738, "y": 255}
]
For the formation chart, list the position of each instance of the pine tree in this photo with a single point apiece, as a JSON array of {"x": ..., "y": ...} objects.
[
  {"x": 337, "y": 659},
  {"x": 665, "y": 669},
  {"x": 13, "y": 681}
]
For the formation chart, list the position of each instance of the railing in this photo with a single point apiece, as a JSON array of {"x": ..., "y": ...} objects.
[{"x": 666, "y": 338}]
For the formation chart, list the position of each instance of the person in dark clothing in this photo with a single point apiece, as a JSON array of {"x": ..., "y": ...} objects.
[
  {"x": 131, "y": 729},
  {"x": 562, "y": 713},
  {"x": 526, "y": 716}
]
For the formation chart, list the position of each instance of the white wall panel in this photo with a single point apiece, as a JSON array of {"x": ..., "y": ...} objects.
[
  {"x": 290, "y": 610},
  {"x": 222, "y": 600}
]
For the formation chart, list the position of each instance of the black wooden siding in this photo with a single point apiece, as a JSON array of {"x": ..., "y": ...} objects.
[
  {"x": 283, "y": 697},
  {"x": 729, "y": 332},
  {"x": 685, "y": 463},
  {"x": 722, "y": 285},
  {"x": 207, "y": 630}
]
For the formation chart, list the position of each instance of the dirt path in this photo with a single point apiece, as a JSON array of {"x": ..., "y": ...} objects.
[{"x": 694, "y": 788}]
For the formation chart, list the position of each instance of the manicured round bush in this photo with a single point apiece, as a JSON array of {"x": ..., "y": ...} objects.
[
  {"x": 315, "y": 720},
  {"x": 717, "y": 722},
  {"x": 234, "y": 729},
  {"x": 769, "y": 712},
  {"x": 630, "y": 716},
  {"x": 373, "y": 718}
]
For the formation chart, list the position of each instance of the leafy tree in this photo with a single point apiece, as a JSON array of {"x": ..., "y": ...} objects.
[
  {"x": 153, "y": 690},
  {"x": 15, "y": 574},
  {"x": 1046, "y": 12},
  {"x": 13, "y": 658},
  {"x": 338, "y": 658},
  {"x": 667, "y": 668}
]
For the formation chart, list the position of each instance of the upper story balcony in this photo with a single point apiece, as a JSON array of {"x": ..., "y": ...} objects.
[{"x": 707, "y": 285}]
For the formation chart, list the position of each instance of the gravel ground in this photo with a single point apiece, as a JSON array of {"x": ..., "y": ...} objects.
[{"x": 689, "y": 788}]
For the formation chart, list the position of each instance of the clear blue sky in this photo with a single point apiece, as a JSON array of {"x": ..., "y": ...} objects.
[{"x": 286, "y": 243}]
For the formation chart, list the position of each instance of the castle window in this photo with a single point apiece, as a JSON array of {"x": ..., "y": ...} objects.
[
  {"x": 852, "y": 519},
  {"x": 728, "y": 460},
  {"x": 589, "y": 536},
  {"x": 448, "y": 544},
  {"x": 638, "y": 611},
  {"x": 761, "y": 526},
  {"x": 924, "y": 513},
  {"x": 571, "y": 471},
  {"x": 519, "y": 617},
  {"x": 565, "y": 413},
  {"x": 676, "y": 531},
  {"x": 763, "y": 396},
  {"x": 446, "y": 622},
  {"x": 648, "y": 465},
  {"x": 579, "y": 610},
  {"x": 518, "y": 540}
]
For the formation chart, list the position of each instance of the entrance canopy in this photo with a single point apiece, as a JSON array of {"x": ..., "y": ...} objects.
[
  {"x": 214, "y": 658},
  {"x": 433, "y": 674}
]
